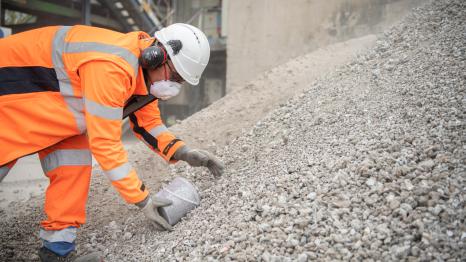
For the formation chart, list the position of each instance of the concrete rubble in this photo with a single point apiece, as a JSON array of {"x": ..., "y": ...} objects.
[{"x": 368, "y": 163}]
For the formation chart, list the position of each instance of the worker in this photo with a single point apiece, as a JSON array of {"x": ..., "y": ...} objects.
[{"x": 63, "y": 91}]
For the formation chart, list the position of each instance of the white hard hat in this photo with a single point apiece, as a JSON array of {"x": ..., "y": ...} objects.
[{"x": 192, "y": 56}]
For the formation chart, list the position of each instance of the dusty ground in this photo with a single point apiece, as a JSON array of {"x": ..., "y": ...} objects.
[{"x": 367, "y": 163}]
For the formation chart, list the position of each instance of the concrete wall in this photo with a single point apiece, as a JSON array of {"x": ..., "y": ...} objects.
[{"x": 265, "y": 33}]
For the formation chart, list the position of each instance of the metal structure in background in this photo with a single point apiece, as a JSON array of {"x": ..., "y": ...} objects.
[
  {"x": 86, "y": 12},
  {"x": 133, "y": 15},
  {"x": 124, "y": 15},
  {"x": 208, "y": 16}
]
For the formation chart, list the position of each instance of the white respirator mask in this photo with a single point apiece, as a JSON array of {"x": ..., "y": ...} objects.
[{"x": 165, "y": 89}]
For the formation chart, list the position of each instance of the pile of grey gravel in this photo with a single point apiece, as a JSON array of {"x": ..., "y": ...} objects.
[{"x": 369, "y": 163}]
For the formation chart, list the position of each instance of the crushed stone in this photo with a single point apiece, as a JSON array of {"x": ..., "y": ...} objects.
[{"x": 368, "y": 163}]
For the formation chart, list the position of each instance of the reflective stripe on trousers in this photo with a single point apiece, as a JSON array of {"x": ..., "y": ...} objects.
[
  {"x": 64, "y": 235},
  {"x": 67, "y": 164},
  {"x": 66, "y": 157}
]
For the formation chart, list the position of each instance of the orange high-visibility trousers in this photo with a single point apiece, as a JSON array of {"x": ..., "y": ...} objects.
[{"x": 68, "y": 165}]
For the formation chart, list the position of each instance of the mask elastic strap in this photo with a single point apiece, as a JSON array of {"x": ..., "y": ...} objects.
[
  {"x": 165, "y": 71},
  {"x": 164, "y": 61}
]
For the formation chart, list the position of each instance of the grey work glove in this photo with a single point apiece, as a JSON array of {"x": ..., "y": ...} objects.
[
  {"x": 149, "y": 208},
  {"x": 197, "y": 157}
]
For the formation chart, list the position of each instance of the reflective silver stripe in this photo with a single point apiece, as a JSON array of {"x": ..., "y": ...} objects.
[
  {"x": 118, "y": 172},
  {"x": 75, "y": 104},
  {"x": 64, "y": 235},
  {"x": 66, "y": 157},
  {"x": 3, "y": 172},
  {"x": 107, "y": 112},
  {"x": 127, "y": 55},
  {"x": 156, "y": 131}
]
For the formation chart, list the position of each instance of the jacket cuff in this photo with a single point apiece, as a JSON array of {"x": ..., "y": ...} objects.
[
  {"x": 170, "y": 150},
  {"x": 131, "y": 188},
  {"x": 143, "y": 203}
]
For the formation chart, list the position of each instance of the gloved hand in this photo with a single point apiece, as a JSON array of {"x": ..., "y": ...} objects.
[
  {"x": 196, "y": 157},
  {"x": 149, "y": 208}
]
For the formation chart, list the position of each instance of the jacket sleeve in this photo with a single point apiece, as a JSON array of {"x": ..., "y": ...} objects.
[
  {"x": 105, "y": 88},
  {"x": 147, "y": 125}
]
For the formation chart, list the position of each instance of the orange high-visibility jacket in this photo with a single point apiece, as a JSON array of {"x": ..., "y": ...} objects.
[{"x": 57, "y": 82}]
